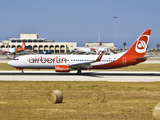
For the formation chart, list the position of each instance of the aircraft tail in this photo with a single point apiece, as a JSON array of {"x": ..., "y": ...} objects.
[
  {"x": 138, "y": 49},
  {"x": 100, "y": 44},
  {"x": 23, "y": 46}
]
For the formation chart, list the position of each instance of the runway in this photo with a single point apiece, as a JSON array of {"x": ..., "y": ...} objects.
[{"x": 110, "y": 76}]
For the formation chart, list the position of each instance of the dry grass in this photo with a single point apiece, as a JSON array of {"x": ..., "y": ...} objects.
[
  {"x": 123, "y": 101},
  {"x": 140, "y": 67}
]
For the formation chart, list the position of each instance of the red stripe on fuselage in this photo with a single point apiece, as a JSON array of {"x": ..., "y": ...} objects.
[{"x": 119, "y": 63}]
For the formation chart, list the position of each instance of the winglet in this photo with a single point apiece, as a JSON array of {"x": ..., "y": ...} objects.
[{"x": 100, "y": 56}]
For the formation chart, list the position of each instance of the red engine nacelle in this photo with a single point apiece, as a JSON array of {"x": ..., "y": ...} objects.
[
  {"x": 2, "y": 53},
  {"x": 62, "y": 68}
]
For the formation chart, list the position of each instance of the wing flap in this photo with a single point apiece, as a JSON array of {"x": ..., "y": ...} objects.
[{"x": 81, "y": 65}]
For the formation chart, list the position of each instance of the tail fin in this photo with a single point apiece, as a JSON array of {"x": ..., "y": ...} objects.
[
  {"x": 23, "y": 46},
  {"x": 138, "y": 48},
  {"x": 100, "y": 44}
]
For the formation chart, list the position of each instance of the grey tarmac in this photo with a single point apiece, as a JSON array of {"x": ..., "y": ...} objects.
[{"x": 110, "y": 76}]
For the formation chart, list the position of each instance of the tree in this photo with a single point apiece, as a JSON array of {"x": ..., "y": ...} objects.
[
  {"x": 157, "y": 46},
  {"x": 124, "y": 44}
]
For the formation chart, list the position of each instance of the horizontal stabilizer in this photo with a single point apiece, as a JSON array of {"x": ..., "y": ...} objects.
[{"x": 141, "y": 58}]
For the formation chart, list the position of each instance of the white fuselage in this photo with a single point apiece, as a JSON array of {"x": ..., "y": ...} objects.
[
  {"x": 10, "y": 50},
  {"x": 50, "y": 61}
]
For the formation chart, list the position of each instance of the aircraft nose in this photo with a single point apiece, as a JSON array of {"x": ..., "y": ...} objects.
[{"x": 10, "y": 63}]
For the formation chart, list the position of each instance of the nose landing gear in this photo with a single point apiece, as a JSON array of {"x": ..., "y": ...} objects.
[
  {"x": 79, "y": 71},
  {"x": 22, "y": 72}
]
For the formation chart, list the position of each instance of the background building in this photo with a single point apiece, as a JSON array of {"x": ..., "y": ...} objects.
[
  {"x": 108, "y": 46},
  {"x": 33, "y": 42}
]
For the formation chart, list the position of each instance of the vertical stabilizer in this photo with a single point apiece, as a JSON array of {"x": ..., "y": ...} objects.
[
  {"x": 23, "y": 46},
  {"x": 138, "y": 49}
]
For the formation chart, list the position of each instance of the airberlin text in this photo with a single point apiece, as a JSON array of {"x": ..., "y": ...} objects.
[{"x": 41, "y": 59}]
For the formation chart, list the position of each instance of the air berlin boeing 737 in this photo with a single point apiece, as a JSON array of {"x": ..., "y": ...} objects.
[{"x": 65, "y": 63}]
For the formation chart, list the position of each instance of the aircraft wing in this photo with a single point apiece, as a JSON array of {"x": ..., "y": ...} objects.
[
  {"x": 81, "y": 65},
  {"x": 86, "y": 64}
]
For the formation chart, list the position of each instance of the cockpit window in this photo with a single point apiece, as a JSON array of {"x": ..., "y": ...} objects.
[{"x": 15, "y": 59}]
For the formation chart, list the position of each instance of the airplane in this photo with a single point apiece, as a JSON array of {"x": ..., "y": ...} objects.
[
  {"x": 13, "y": 50},
  {"x": 83, "y": 50},
  {"x": 89, "y": 50},
  {"x": 65, "y": 63}
]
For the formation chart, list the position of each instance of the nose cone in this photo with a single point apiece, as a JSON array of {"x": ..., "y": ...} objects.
[{"x": 10, "y": 63}]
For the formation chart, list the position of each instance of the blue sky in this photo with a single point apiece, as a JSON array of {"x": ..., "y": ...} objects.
[{"x": 81, "y": 21}]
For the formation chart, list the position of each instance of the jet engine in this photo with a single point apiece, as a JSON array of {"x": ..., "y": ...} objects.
[
  {"x": 62, "y": 68},
  {"x": 2, "y": 53}
]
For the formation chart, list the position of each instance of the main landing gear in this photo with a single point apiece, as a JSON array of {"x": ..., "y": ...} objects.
[
  {"x": 79, "y": 72},
  {"x": 14, "y": 55}
]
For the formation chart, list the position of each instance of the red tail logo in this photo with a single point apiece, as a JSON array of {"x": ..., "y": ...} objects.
[
  {"x": 141, "y": 45},
  {"x": 142, "y": 42}
]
